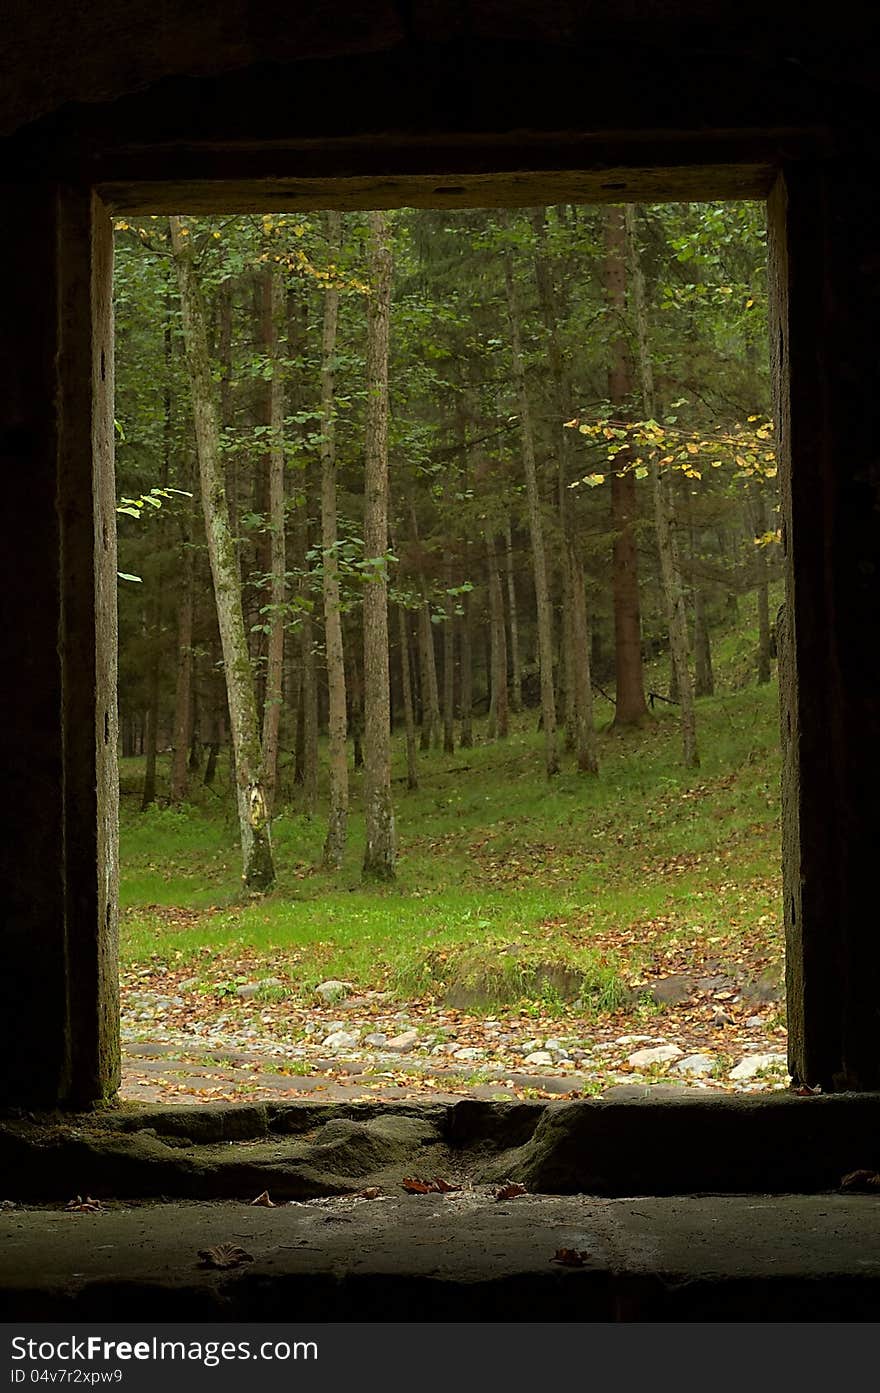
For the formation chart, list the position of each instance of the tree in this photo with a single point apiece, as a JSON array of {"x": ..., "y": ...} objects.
[
  {"x": 337, "y": 727},
  {"x": 380, "y": 850},
  {"x": 253, "y": 816}
]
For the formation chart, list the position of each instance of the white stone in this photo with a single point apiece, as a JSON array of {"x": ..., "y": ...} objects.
[
  {"x": 754, "y": 1064},
  {"x": 341, "y": 1040},
  {"x": 376, "y": 1040},
  {"x": 660, "y": 1054},
  {"x": 541, "y": 1057},
  {"x": 332, "y": 990},
  {"x": 401, "y": 1044},
  {"x": 633, "y": 1039},
  {"x": 697, "y": 1065},
  {"x": 469, "y": 1052}
]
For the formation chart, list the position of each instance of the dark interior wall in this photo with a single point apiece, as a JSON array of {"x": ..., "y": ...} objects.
[{"x": 230, "y": 105}]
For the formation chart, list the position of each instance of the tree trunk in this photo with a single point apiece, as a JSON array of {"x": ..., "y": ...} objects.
[
  {"x": 356, "y": 723},
  {"x": 704, "y": 684},
  {"x": 664, "y": 510},
  {"x": 585, "y": 743},
  {"x": 513, "y": 615},
  {"x": 183, "y": 692},
  {"x": 631, "y": 708},
  {"x": 499, "y": 724},
  {"x": 380, "y": 850},
  {"x": 258, "y": 868},
  {"x": 337, "y": 723},
  {"x": 153, "y": 681},
  {"x": 465, "y": 650},
  {"x": 412, "y": 771},
  {"x": 272, "y": 309},
  {"x": 762, "y": 589},
  {"x": 449, "y": 665},
  {"x": 539, "y": 563}
]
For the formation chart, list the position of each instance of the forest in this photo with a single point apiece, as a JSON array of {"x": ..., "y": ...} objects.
[{"x": 433, "y": 524}]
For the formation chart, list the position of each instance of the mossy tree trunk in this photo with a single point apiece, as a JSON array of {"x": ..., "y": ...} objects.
[
  {"x": 258, "y": 867},
  {"x": 499, "y": 723},
  {"x": 380, "y": 849}
]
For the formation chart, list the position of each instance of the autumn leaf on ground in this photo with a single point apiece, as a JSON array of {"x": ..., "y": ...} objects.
[
  {"x": 84, "y": 1206},
  {"x": 372, "y": 1192},
  {"x": 224, "y": 1255},
  {"x": 437, "y": 1186},
  {"x": 265, "y": 1201},
  {"x": 570, "y": 1257},
  {"x": 863, "y": 1181},
  {"x": 510, "y": 1190}
]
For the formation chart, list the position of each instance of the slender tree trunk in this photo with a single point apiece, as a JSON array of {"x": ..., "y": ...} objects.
[
  {"x": 449, "y": 665},
  {"x": 465, "y": 649},
  {"x": 704, "y": 684},
  {"x": 337, "y": 822},
  {"x": 380, "y": 850},
  {"x": 258, "y": 868},
  {"x": 499, "y": 724},
  {"x": 539, "y": 563},
  {"x": 513, "y": 614},
  {"x": 356, "y": 722},
  {"x": 664, "y": 511},
  {"x": 153, "y": 682},
  {"x": 631, "y": 708},
  {"x": 412, "y": 770},
  {"x": 272, "y": 309},
  {"x": 762, "y": 588},
  {"x": 309, "y": 714},
  {"x": 183, "y": 711},
  {"x": 585, "y": 743}
]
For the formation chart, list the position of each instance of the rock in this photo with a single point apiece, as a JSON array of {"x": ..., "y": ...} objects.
[
  {"x": 341, "y": 1040},
  {"x": 401, "y": 1044},
  {"x": 722, "y": 1018},
  {"x": 697, "y": 1065},
  {"x": 768, "y": 988},
  {"x": 376, "y": 1040},
  {"x": 714, "y": 984},
  {"x": 668, "y": 991},
  {"x": 469, "y": 1052},
  {"x": 660, "y": 1054},
  {"x": 554, "y": 1044},
  {"x": 539, "y": 1057},
  {"x": 332, "y": 991},
  {"x": 188, "y": 984},
  {"x": 249, "y": 989},
  {"x": 754, "y": 1064},
  {"x": 755, "y": 1022},
  {"x": 632, "y": 1039}
]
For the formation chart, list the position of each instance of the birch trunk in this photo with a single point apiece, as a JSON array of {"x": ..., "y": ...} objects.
[
  {"x": 380, "y": 850},
  {"x": 258, "y": 868}
]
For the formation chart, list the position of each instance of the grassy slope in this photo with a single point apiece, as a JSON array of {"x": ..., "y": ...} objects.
[{"x": 501, "y": 876}]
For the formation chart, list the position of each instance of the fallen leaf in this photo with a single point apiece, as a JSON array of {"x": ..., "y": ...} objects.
[
  {"x": 84, "y": 1206},
  {"x": 265, "y": 1201},
  {"x": 510, "y": 1191},
  {"x": 570, "y": 1257},
  {"x": 864, "y": 1181},
  {"x": 224, "y": 1255},
  {"x": 437, "y": 1186},
  {"x": 372, "y": 1192}
]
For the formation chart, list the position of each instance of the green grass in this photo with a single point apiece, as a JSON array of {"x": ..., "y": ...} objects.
[{"x": 504, "y": 881}]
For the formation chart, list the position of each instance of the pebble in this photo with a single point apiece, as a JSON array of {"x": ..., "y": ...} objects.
[
  {"x": 341, "y": 1040},
  {"x": 469, "y": 1052},
  {"x": 402, "y": 1044},
  {"x": 539, "y": 1057},
  {"x": 376, "y": 1040}
]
